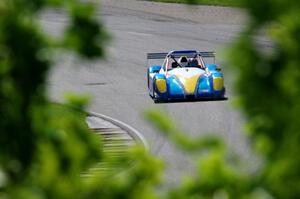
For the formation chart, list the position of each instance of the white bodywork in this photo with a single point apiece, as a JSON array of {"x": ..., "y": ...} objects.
[{"x": 186, "y": 72}]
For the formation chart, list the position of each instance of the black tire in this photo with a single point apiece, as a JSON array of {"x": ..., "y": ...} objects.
[
  {"x": 148, "y": 78},
  {"x": 156, "y": 101}
]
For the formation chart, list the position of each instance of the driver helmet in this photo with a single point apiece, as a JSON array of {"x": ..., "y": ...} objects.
[{"x": 183, "y": 61}]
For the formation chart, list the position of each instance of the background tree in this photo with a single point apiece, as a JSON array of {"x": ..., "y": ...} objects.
[
  {"x": 269, "y": 96},
  {"x": 43, "y": 148}
]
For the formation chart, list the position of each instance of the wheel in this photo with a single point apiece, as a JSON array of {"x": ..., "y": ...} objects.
[
  {"x": 155, "y": 98},
  {"x": 156, "y": 101},
  {"x": 148, "y": 78}
]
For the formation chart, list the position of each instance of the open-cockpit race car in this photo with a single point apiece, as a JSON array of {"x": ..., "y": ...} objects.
[{"x": 184, "y": 76}]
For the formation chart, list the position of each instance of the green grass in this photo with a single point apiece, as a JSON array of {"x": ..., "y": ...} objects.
[{"x": 203, "y": 2}]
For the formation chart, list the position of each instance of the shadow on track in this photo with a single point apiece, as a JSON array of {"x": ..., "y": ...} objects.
[{"x": 190, "y": 100}]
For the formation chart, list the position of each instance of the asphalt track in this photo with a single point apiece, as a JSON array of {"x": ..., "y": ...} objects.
[{"x": 118, "y": 86}]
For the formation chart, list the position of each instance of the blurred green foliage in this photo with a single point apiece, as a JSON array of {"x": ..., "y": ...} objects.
[
  {"x": 267, "y": 81},
  {"x": 44, "y": 148}
]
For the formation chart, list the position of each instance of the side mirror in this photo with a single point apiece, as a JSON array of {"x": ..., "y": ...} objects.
[{"x": 218, "y": 69}]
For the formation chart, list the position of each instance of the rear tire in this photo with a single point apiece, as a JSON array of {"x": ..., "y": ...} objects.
[
  {"x": 155, "y": 99},
  {"x": 148, "y": 78}
]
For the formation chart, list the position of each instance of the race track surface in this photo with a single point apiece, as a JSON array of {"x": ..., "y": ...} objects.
[{"x": 118, "y": 86}]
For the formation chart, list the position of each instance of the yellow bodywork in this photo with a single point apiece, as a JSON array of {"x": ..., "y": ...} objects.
[
  {"x": 218, "y": 83},
  {"x": 161, "y": 85},
  {"x": 189, "y": 83}
]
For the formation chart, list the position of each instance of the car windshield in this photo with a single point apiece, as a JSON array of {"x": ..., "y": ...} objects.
[{"x": 181, "y": 60}]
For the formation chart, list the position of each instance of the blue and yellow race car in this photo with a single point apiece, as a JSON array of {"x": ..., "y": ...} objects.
[{"x": 184, "y": 76}]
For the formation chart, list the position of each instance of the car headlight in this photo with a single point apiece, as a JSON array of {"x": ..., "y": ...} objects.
[
  {"x": 218, "y": 83},
  {"x": 161, "y": 85}
]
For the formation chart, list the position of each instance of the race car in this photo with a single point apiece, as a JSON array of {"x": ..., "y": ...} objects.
[{"x": 184, "y": 76}]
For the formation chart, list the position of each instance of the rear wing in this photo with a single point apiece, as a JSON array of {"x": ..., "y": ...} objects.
[
  {"x": 207, "y": 54},
  {"x": 156, "y": 55}
]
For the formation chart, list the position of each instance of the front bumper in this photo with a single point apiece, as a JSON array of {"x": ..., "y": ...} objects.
[{"x": 202, "y": 96}]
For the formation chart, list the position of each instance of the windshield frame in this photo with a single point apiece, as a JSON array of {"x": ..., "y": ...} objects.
[{"x": 174, "y": 56}]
